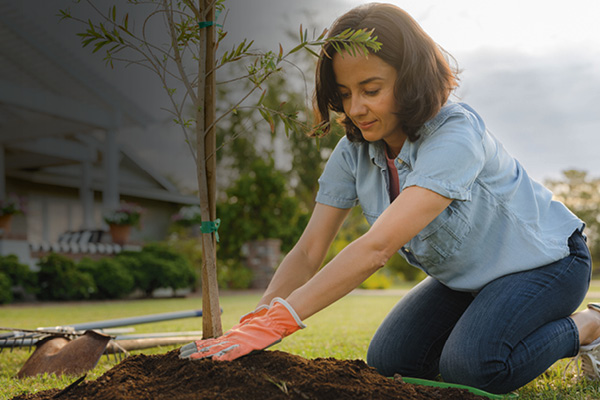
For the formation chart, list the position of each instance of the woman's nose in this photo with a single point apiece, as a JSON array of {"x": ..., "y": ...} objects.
[{"x": 357, "y": 107}]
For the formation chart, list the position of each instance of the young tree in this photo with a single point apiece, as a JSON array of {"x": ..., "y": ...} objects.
[{"x": 188, "y": 60}]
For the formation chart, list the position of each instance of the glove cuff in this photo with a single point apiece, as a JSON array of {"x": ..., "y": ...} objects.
[{"x": 290, "y": 309}]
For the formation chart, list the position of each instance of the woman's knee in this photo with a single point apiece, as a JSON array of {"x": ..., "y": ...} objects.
[
  {"x": 389, "y": 358},
  {"x": 381, "y": 357},
  {"x": 468, "y": 367},
  {"x": 375, "y": 357}
]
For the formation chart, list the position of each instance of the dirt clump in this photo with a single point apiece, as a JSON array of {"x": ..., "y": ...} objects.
[{"x": 266, "y": 375}]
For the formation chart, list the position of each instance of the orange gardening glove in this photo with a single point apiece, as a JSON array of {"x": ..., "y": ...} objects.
[
  {"x": 259, "y": 312},
  {"x": 255, "y": 334}
]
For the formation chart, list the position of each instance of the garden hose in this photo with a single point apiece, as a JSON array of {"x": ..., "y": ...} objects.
[{"x": 425, "y": 382}]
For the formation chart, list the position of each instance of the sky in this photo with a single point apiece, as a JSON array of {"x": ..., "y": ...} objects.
[{"x": 531, "y": 68}]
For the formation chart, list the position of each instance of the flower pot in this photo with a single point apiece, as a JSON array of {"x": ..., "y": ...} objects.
[
  {"x": 120, "y": 233},
  {"x": 5, "y": 222}
]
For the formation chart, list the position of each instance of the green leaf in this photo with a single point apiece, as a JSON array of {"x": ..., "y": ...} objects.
[
  {"x": 99, "y": 45},
  {"x": 311, "y": 51},
  {"x": 262, "y": 96},
  {"x": 295, "y": 49},
  {"x": 64, "y": 14},
  {"x": 87, "y": 41},
  {"x": 323, "y": 34}
]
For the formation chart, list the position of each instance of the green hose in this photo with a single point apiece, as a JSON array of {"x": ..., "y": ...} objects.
[{"x": 425, "y": 382}]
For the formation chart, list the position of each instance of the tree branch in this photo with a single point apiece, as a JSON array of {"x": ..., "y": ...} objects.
[{"x": 177, "y": 56}]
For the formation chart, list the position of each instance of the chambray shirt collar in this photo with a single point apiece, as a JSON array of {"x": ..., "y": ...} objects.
[
  {"x": 376, "y": 152},
  {"x": 377, "y": 149}
]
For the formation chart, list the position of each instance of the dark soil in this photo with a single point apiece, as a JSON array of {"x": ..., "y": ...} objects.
[{"x": 264, "y": 375}]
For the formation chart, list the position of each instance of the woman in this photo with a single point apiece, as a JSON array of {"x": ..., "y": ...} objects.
[{"x": 507, "y": 265}]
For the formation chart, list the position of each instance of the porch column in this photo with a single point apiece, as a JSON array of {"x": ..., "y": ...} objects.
[
  {"x": 110, "y": 197},
  {"x": 45, "y": 220},
  {"x": 86, "y": 194}
]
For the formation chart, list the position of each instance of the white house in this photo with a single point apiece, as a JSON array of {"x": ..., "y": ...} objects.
[{"x": 59, "y": 142}]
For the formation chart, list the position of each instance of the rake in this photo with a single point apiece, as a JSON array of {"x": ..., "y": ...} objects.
[{"x": 77, "y": 348}]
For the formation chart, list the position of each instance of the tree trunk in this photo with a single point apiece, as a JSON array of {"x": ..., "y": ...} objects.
[{"x": 206, "y": 145}]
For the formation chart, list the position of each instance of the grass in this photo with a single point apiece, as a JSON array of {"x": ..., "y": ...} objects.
[{"x": 342, "y": 331}]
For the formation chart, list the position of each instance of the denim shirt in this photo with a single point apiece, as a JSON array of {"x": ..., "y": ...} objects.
[{"x": 500, "y": 220}]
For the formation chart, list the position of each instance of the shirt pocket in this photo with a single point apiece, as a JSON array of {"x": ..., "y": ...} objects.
[{"x": 440, "y": 239}]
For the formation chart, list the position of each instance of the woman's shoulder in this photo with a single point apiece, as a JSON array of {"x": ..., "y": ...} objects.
[
  {"x": 455, "y": 117},
  {"x": 456, "y": 113}
]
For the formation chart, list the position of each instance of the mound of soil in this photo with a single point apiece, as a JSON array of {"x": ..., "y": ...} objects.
[{"x": 264, "y": 375}]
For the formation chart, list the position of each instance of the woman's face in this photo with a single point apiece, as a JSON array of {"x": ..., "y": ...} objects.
[{"x": 366, "y": 85}]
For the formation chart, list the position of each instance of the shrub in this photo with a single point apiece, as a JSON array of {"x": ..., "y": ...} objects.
[
  {"x": 259, "y": 205},
  {"x": 60, "y": 279},
  {"x": 5, "y": 289},
  {"x": 112, "y": 279},
  {"x": 158, "y": 266},
  {"x": 379, "y": 280},
  {"x": 20, "y": 276},
  {"x": 398, "y": 265},
  {"x": 190, "y": 248},
  {"x": 233, "y": 275}
]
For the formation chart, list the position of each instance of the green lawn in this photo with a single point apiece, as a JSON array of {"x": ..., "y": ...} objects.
[{"x": 342, "y": 331}]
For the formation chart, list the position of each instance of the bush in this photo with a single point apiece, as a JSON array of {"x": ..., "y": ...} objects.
[
  {"x": 233, "y": 275},
  {"x": 259, "y": 205},
  {"x": 190, "y": 248},
  {"x": 158, "y": 266},
  {"x": 379, "y": 280},
  {"x": 398, "y": 265},
  {"x": 20, "y": 276},
  {"x": 60, "y": 279},
  {"x": 112, "y": 279},
  {"x": 5, "y": 289}
]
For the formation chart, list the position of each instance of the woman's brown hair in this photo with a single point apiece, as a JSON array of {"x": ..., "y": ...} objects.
[{"x": 425, "y": 79}]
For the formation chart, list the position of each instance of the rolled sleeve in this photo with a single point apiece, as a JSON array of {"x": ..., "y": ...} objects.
[
  {"x": 449, "y": 159},
  {"x": 337, "y": 184}
]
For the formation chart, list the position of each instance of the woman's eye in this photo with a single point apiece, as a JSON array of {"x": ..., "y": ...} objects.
[
  {"x": 345, "y": 95},
  {"x": 371, "y": 92}
]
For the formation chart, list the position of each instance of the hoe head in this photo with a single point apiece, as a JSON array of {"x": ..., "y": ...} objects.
[{"x": 60, "y": 355}]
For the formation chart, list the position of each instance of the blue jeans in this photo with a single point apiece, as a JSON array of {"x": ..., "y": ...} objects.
[{"x": 497, "y": 339}]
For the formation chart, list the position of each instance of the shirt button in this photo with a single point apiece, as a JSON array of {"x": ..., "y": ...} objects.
[{"x": 406, "y": 250}]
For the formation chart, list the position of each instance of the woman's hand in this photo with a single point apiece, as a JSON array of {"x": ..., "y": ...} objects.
[{"x": 253, "y": 334}]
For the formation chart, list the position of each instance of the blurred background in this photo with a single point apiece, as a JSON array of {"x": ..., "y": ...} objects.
[{"x": 82, "y": 141}]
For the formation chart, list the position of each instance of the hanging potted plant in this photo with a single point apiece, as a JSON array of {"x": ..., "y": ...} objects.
[
  {"x": 11, "y": 205},
  {"x": 188, "y": 217},
  {"x": 121, "y": 219}
]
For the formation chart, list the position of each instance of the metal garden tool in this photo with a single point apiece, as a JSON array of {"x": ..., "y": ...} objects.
[
  {"x": 62, "y": 355},
  {"x": 77, "y": 348}
]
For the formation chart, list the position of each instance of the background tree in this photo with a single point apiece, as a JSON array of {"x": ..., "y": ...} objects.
[
  {"x": 186, "y": 66},
  {"x": 259, "y": 205},
  {"x": 581, "y": 194}
]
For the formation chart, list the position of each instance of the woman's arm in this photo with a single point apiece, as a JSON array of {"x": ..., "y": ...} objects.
[
  {"x": 408, "y": 214},
  {"x": 412, "y": 211},
  {"x": 304, "y": 260}
]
